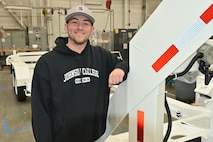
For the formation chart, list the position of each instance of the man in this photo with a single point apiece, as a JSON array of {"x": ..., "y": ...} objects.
[{"x": 71, "y": 84}]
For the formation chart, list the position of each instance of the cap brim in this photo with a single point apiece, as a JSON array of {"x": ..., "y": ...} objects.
[{"x": 80, "y": 13}]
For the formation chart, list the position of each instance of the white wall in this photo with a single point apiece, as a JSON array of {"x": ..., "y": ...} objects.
[{"x": 123, "y": 14}]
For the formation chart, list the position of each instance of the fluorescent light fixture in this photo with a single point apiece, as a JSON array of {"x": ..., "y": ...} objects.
[
  {"x": 93, "y": 2},
  {"x": 18, "y": 7}
]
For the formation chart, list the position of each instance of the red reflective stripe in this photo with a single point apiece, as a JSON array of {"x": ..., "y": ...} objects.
[
  {"x": 207, "y": 16},
  {"x": 140, "y": 126},
  {"x": 165, "y": 58}
]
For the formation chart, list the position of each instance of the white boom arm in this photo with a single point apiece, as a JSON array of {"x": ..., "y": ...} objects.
[{"x": 174, "y": 31}]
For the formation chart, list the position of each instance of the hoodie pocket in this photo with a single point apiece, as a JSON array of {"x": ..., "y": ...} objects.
[{"x": 75, "y": 129}]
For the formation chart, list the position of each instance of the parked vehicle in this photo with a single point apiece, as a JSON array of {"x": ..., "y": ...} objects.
[{"x": 22, "y": 68}]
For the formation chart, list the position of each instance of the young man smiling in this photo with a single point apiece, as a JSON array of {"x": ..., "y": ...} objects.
[{"x": 71, "y": 84}]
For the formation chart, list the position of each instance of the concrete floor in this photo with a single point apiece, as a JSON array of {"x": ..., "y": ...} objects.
[{"x": 15, "y": 117}]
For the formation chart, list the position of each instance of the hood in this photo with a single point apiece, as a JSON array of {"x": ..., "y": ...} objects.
[{"x": 62, "y": 47}]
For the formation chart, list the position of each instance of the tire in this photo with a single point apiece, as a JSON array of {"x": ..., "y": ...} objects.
[
  {"x": 19, "y": 90},
  {"x": 21, "y": 94}
]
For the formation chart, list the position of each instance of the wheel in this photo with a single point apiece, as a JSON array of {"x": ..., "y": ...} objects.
[
  {"x": 19, "y": 90},
  {"x": 21, "y": 94}
]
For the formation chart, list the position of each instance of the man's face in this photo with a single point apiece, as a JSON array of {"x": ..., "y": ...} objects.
[{"x": 79, "y": 29}]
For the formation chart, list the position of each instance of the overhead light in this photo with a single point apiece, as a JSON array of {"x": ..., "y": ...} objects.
[
  {"x": 93, "y": 2},
  {"x": 18, "y": 7}
]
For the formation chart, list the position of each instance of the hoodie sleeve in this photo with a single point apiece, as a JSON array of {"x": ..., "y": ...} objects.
[
  {"x": 124, "y": 66},
  {"x": 40, "y": 104},
  {"x": 118, "y": 63}
]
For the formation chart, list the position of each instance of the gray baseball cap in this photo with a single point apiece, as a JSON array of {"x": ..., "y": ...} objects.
[{"x": 82, "y": 10}]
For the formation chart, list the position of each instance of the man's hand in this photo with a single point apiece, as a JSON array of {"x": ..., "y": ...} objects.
[{"x": 115, "y": 77}]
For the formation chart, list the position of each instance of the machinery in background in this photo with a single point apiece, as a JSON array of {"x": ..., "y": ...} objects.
[
  {"x": 118, "y": 54},
  {"x": 203, "y": 93},
  {"x": 34, "y": 39},
  {"x": 38, "y": 36},
  {"x": 173, "y": 33},
  {"x": 121, "y": 41},
  {"x": 193, "y": 121},
  {"x": 103, "y": 39},
  {"x": 22, "y": 68},
  {"x": 13, "y": 39}
]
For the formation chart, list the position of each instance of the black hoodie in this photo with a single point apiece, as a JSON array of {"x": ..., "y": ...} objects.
[{"x": 70, "y": 93}]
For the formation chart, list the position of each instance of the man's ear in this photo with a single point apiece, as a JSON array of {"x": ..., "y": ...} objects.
[
  {"x": 93, "y": 30},
  {"x": 65, "y": 27}
]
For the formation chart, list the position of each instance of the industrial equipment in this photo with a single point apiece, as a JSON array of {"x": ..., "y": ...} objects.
[
  {"x": 118, "y": 54},
  {"x": 38, "y": 36},
  {"x": 121, "y": 41},
  {"x": 168, "y": 38},
  {"x": 103, "y": 39},
  {"x": 22, "y": 67},
  {"x": 13, "y": 39}
]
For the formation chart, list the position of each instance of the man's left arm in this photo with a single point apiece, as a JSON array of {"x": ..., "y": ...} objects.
[{"x": 116, "y": 77}]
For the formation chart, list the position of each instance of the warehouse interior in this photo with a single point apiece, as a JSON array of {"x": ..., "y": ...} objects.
[
  {"x": 28, "y": 29},
  {"x": 45, "y": 19}
]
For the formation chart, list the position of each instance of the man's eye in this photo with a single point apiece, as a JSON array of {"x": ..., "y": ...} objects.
[
  {"x": 86, "y": 23},
  {"x": 73, "y": 21}
]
